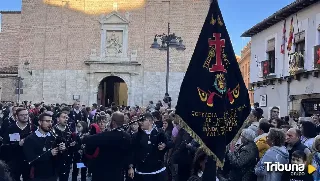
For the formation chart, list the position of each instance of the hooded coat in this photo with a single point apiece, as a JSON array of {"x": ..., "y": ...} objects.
[
  {"x": 314, "y": 158},
  {"x": 274, "y": 154}
]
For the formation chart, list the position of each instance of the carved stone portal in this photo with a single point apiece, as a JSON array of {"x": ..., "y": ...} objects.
[
  {"x": 114, "y": 43},
  {"x": 114, "y": 38}
]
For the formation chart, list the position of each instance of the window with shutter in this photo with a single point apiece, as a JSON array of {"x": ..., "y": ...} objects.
[
  {"x": 299, "y": 44},
  {"x": 271, "y": 55},
  {"x": 272, "y": 61},
  {"x": 271, "y": 45}
]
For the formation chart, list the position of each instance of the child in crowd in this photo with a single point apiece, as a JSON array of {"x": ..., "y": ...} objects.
[{"x": 299, "y": 157}]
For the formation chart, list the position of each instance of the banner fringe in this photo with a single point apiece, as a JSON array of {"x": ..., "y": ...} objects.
[
  {"x": 219, "y": 163},
  {"x": 245, "y": 123},
  {"x": 195, "y": 136}
]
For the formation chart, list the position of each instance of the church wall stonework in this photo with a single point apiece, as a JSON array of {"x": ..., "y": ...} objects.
[
  {"x": 58, "y": 43},
  {"x": 7, "y": 89},
  {"x": 56, "y": 86},
  {"x": 154, "y": 86},
  {"x": 59, "y": 86}
]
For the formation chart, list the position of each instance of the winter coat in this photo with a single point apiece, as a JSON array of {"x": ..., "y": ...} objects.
[
  {"x": 243, "y": 161},
  {"x": 261, "y": 142},
  {"x": 274, "y": 154}
]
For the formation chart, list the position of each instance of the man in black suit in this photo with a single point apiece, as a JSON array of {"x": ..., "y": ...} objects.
[
  {"x": 114, "y": 147},
  {"x": 75, "y": 115}
]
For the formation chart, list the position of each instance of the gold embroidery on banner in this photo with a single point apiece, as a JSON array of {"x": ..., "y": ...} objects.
[
  {"x": 224, "y": 57},
  {"x": 220, "y": 21},
  {"x": 213, "y": 21},
  {"x": 236, "y": 92},
  {"x": 211, "y": 54},
  {"x": 203, "y": 95},
  {"x": 214, "y": 126}
]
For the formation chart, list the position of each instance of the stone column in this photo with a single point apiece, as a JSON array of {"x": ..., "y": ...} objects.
[
  {"x": 125, "y": 42},
  {"x": 131, "y": 97},
  {"x": 103, "y": 42},
  {"x": 93, "y": 89}
]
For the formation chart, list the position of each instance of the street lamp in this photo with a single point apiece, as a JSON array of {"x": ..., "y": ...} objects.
[{"x": 168, "y": 41}]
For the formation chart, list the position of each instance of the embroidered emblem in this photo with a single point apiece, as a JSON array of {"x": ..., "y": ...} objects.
[
  {"x": 219, "y": 68},
  {"x": 220, "y": 83}
]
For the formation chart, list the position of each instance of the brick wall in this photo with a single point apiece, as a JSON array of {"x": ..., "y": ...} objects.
[
  {"x": 9, "y": 53},
  {"x": 60, "y": 38},
  {"x": 56, "y": 41},
  {"x": 9, "y": 38}
]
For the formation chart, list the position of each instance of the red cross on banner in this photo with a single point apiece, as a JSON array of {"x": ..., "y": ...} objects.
[{"x": 218, "y": 44}]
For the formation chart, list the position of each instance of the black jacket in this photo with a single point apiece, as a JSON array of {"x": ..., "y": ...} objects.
[
  {"x": 298, "y": 146},
  {"x": 180, "y": 153},
  {"x": 5, "y": 125},
  {"x": 147, "y": 157},
  {"x": 113, "y": 157},
  {"x": 303, "y": 177},
  {"x": 11, "y": 150},
  {"x": 37, "y": 151},
  {"x": 74, "y": 118},
  {"x": 64, "y": 158}
]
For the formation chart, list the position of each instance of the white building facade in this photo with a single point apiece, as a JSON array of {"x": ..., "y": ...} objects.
[{"x": 284, "y": 77}]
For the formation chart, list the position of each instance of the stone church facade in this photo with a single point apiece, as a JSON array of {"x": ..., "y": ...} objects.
[{"x": 63, "y": 54}]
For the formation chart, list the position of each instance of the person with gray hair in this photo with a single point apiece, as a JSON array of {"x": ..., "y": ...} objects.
[
  {"x": 243, "y": 158},
  {"x": 276, "y": 153},
  {"x": 248, "y": 134},
  {"x": 254, "y": 128}
]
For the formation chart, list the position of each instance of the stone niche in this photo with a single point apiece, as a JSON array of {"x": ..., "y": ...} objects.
[{"x": 114, "y": 38}]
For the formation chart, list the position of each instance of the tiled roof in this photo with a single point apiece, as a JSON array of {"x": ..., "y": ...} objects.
[{"x": 10, "y": 12}]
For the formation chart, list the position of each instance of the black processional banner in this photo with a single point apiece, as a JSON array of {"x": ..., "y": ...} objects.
[{"x": 213, "y": 101}]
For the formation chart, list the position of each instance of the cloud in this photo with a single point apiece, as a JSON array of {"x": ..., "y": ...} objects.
[{"x": 97, "y": 7}]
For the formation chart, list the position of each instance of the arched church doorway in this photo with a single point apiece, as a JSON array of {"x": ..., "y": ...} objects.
[{"x": 113, "y": 89}]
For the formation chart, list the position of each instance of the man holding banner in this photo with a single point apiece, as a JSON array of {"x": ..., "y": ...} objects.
[{"x": 213, "y": 101}]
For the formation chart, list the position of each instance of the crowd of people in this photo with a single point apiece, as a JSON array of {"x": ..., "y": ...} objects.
[
  {"x": 275, "y": 140},
  {"x": 115, "y": 143},
  {"x": 70, "y": 142}
]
